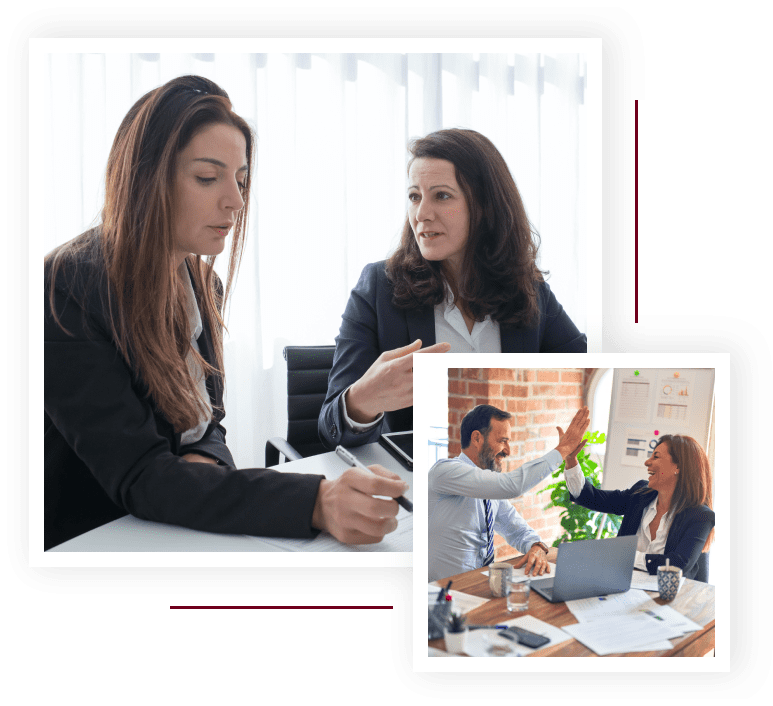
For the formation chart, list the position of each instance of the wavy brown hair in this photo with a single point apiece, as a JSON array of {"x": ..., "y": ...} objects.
[
  {"x": 499, "y": 275},
  {"x": 693, "y": 482},
  {"x": 133, "y": 249}
]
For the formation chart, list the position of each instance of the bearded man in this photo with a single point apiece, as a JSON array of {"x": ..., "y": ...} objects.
[{"x": 469, "y": 495}]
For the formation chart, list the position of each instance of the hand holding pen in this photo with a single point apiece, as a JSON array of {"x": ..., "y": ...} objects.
[
  {"x": 347, "y": 509},
  {"x": 352, "y": 460}
]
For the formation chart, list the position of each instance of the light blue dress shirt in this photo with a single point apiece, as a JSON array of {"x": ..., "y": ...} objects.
[{"x": 457, "y": 519}]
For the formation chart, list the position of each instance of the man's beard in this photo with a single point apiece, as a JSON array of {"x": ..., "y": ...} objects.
[{"x": 487, "y": 458}]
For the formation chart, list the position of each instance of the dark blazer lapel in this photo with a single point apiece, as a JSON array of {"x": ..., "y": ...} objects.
[
  {"x": 513, "y": 340},
  {"x": 675, "y": 531},
  {"x": 421, "y": 324},
  {"x": 635, "y": 517}
]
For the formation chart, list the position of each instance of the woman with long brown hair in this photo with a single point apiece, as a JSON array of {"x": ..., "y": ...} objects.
[
  {"x": 670, "y": 512},
  {"x": 463, "y": 279},
  {"x": 134, "y": 371}
]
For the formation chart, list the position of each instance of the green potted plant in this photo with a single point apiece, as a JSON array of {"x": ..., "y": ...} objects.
[{"x": 579, "y": 522}]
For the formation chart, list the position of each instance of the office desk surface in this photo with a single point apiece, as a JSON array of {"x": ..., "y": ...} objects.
[
  {"x": 129, "y": 534},
  {"x": 695, "y": 600}
]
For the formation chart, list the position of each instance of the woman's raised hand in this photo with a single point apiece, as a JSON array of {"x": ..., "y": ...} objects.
[{"x": 388, "y": 384}]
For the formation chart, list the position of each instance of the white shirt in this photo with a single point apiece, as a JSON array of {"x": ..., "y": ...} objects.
[
  {"x": 197, "y": 373},
  {"x": 645, "y": 544},
  {"x": 450, "y": 327}
]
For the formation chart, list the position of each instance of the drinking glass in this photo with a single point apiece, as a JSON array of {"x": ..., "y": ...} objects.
[{"x": 518, "y": 596}]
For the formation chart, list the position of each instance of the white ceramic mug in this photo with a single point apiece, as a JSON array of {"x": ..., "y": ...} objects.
[{"x": 499, "y": 576}]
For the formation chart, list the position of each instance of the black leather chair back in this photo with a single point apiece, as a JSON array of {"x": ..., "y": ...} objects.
[{"x": 308, "y": 368}]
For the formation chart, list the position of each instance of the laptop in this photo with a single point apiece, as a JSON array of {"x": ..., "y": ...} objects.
[{"x": 588, "y": 568}]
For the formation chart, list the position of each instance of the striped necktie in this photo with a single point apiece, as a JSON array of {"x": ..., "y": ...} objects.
[{"x": 489, "y": 533}]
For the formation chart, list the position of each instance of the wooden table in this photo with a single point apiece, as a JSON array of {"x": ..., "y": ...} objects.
[{"x": 695, "y": 600}]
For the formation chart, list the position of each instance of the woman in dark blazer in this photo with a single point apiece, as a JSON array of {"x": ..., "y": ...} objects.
[
  {"x": 670, "y": 513},
  {"x": 134, "y": 351},
  {"x": 464, "y": 278}
]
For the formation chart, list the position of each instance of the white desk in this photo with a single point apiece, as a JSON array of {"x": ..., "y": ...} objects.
[{"x": 129, "y": 534}]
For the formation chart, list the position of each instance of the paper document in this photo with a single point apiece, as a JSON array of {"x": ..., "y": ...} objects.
[
  {"x": 603, "y": 612},
  {"x": 490, "y": 643},
  {"x": 463, "y": 602},
  {"x": 618, "y": 633},
  {"x": 588, "y": 609},
  {"x": 401, "y": 540},
  {"x": 677, "y": 623},
  {"x": 631, "y": 603}
]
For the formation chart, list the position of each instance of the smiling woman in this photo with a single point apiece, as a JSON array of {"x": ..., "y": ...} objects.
[{"x": 670, "y": 513}]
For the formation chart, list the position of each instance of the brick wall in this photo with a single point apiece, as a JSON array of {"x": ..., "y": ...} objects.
[{"x": 539, "y": 400}]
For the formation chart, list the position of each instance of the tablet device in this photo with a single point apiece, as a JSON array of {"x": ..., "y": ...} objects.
[{"x": 400, "y": 445}]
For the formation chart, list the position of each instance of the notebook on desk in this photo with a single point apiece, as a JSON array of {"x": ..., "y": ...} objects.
[{"x": 590, "y": 567}]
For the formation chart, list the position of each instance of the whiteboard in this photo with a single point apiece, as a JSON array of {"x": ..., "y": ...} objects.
[{"x": 646, "y": 404}]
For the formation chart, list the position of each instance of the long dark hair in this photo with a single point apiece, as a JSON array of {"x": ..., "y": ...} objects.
[
  {"x": 134, "y": 246},
  {"x": 499, "y": 275},
  {"x": 693, "y": 482}
]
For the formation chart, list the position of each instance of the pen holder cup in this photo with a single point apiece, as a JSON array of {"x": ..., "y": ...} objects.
[
  {"x": 668, "y": 581},
  {"x": 456, "y": 641},
  {"x": 499, "y": 576},
  {"x": 437, "y": 616}
]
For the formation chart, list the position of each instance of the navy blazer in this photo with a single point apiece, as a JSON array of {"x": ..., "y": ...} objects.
[
  {"x": 109, "y": 451},
  {"x": 373, "y": 324},
  {"x": 686, "y": 536}
]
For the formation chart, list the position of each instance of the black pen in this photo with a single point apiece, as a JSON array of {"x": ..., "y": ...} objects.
[{"x": 352, "y": 460}]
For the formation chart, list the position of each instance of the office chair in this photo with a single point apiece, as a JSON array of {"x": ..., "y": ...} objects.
[{"x": 308, "y": 368}]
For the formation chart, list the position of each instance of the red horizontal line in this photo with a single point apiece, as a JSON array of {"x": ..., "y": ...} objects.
[{"x": 281, "y": 607}]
